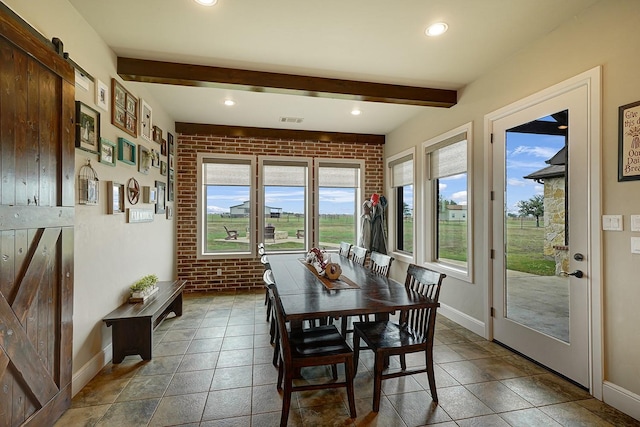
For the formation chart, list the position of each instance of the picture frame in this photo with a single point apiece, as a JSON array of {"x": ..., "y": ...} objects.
[
  {"x": 170, "y": 143},
  {"x": 171, "y": 161},
  {"x": 149, "y": 194},
  {"x": 169, "y": 212},
  {"x": 108, "y": 153},
  {"x": 629, "y": 142},
  {"x": 161, "y": 198},
  {"x": 163, "y": 147},
  {"x": 102, "y": 95},
  {"x": 144, "y": 160},
  {"x": 124, "y": 109},
  {"x": 146, "y": 112},
  {"x": 163, "y": 168},
  {"x": 155, "y": 158},
  {"x": 87, "y": 128},
  {"x": 157, "y": 134},
  {"x": 170, "y": 186},
  {"x": 126, "y": 151},
  {"x": 115, "y": 198}
]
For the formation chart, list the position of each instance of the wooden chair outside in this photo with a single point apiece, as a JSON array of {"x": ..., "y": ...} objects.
[
  {"x": 270, "y": 233},
  {"x": 380, "y": 263},
  {"x": 414, "y": 333},
  {"x": 345, "y": 249},
  {"x": 359, "y": 254},
  {"x": 231, "y": 234},
  {"x": 310, "y": 347}
]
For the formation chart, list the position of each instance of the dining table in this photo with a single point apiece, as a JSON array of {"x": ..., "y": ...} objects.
[{"x": 305, "y": 294}]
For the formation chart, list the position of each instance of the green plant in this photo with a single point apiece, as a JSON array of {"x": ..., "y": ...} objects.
[{"x": 144, "y": 283}]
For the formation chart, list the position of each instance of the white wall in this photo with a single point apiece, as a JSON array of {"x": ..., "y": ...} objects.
[
  {"x": 606, "y": 35},
  {"x": 110, "y": 254}
]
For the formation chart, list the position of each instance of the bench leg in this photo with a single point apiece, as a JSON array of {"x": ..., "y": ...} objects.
[{"x": 132, "y": 337}]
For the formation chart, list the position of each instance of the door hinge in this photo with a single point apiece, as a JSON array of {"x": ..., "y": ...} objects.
[
  {"x": 493, "y": 195},
  {"x": 493, "y": 254},
  {"x": 493, "y": 312},
  {"x": 491, "y": 139}
]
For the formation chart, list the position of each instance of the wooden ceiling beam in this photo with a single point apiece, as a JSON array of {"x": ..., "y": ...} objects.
[{"x": 148, "y": 71}]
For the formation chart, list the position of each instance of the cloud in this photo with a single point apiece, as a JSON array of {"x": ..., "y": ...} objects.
[
  {"x": 460, "y": 197},
  {"x": 216, "y": 209},
  {"x": 539, "y": 189},
  {"x": 514, "y": 182},
  {"x": 542, "y": 152},
  {"x": 442, "y": 186},
  {"x": 336, "y": 196}
]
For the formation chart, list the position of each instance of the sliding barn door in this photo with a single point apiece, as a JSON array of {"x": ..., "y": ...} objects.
[{"x": 36, "y": 227}]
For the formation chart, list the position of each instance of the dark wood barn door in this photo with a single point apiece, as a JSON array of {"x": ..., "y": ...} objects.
[{"x": 36, "y": 227}]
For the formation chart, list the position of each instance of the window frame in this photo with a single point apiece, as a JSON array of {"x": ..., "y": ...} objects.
[
  {"x": 393, "y": 208},
  {"x": 329, "y": 162},
  {"x": 430, "y": 208},
  {"x": 201, "y": 212}
]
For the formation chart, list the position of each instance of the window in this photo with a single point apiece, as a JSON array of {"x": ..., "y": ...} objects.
[
  {"x": 401, "y": 172},
  {"x": 339, "y": 195},
  {"x": 226, "y": 204},
  {"x": 447, "y": 188},
  {"x": 285, "y": 200}
]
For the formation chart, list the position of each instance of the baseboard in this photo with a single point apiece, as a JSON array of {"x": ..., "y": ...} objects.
[
  {"x": 85, "y": 374},
  {"x": 462, "y": 319},
  {"x": 621, "y": 399}
]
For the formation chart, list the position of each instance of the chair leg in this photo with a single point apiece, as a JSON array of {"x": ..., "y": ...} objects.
[
  {"x": 334, "y": 371},
  {"x": 276, "y": 353},
  {"x": 286, "y": 402},
  {"x": 430, "y": 374},
  {"x": 348, "y": 369},
  {"x": 280, "y": 373},
  {"x": 403, "y": 362},
  {"x": 344, "y": 324},
  {"x": 377, "y": 380},
  {"x": 356, "y": 352}
]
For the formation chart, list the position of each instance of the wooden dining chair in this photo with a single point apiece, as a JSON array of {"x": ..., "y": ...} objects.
[
  {"x": 380, "y": 263},
  {"x": 264, "y": 259},
  {"x": 310, "y": 347},
  {"x": 414, "y": 333},
  {"x": 358, "y": 254},
  {"x": 345, "y": 249}
]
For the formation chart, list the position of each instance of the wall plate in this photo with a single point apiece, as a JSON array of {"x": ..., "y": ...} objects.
[{"x": 612, "y": 222}]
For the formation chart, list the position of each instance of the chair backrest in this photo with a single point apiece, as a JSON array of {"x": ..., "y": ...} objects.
[
  {"x": 358, "y": 254},
  {"x": 380, "y": 263},
  {"x": 345, "y": 248},
  {"x": 283, "y": 333},
  {"x": 269, "y": 231},
  {"x": 264, "y": 259},
  {"x": 428, "y": 283}
]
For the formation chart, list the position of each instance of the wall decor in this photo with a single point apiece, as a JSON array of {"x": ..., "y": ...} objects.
[
  {"x": 124, "y": 109},
  {"x": 126, "y": 151},
  {"x": 170, "y": 185},
  {"x": 102, "y": 95},
  {"x": 155, "y": 158},
  {"x": 135, "y": 215},
  {"x": 157, "y": 134},
  {"x": 115, "y": 198},
  {"x": 161, "y": 200},
  {"x": 144, "y": 160},
  {"x": 145, "y": 121},
  {"x": 133, "y": 191},
  {"x": 88, "y": 185},
  {"x": 163, "y": 168},
  {"x": 170, "y": 161},
  {"x": 629, "y": 142},
  {"x": 170, "y": 147},
  {"x": 169, "y": 212},
  {"x": 87, "y": 128},
  {"x": 163, "y": 147},
  {"x": 107, "y": 152},
  {"x": 149, "y": 194}
]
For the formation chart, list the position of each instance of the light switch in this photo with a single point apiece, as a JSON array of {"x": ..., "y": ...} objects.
[
  {"x": 635, "y": 245},
  {"x": 612, "y": 222},
  {"x": 635, "y": 222}
]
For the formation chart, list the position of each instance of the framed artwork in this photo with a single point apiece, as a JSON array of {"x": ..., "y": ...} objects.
[
  {"x": 170, "y": 185},
  {"x": 155, "y": 158},
  {"x": 145, "y": 121},
  {"x": 115, "y": 198},
  {"x": 161, "y": 198},
  {"x": 126, "y": 151},
  {"x": 171, "y": 161},
  {"x": 169, "y": 212},
  {"x": 144, "y": 160},
  {"x": 169, "y": 143},
  {"x": 102, "y": 95},
  {"x": 163, "y": 168},
  {"x": 87, "y": 128},
  {"x": 107, "y": 152},
  {"x": 629, "y": 142},
  {"x": 157, "y": 134},
  {"x": 124, "y": 109},
  {"x": 163, "y": 147},
  {"x": 149, "y": 194}
]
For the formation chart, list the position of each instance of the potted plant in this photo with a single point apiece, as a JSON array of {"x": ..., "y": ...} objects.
[{"x": 143, "y": 288}]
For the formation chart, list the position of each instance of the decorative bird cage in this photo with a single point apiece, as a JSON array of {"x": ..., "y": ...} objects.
[{"x": 88, "y": 188}]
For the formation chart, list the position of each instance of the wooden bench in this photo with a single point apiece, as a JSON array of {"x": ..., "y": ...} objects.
[{"x": 133, "y": 324}]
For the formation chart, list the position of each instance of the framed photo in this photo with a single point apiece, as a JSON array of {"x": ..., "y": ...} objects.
[
  {"x": 102, "y": 95},
  {"x": 170, "y": 186},
  {"x": 149, "y": 194},
  {"x": 171, "y": 161},
  {"x": 115, "y": 198},
  {"x": 124, "y": 109},
  {"x": 144, "y": 162},
  {"x": 161, "y": 198},
  {"x": 629, "y": 142},
  {"x": 170, "y": 143},
  {"x": 87, "y": 128},
  {"x": 126, "y": 151},
  {"x": 145, "y": 121},
  {"x": 155, "y": 158},
  {"x": 163, "y": 168},
  {"x": 157, "y": 134},
  {"x": 169, "y": 212},
  {"x": 107, "y": 152},
  {"x": 163, "y": 147}
]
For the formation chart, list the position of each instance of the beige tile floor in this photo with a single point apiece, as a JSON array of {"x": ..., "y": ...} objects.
[{"x": 212, "y": 367}]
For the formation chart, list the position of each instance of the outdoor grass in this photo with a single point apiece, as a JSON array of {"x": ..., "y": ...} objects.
[{"x": 524, "y": 240}]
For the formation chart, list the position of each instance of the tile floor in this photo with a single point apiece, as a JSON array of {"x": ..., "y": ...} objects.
[{"x": 212, "y": 367}]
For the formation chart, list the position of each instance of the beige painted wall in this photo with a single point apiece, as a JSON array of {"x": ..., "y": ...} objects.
[
  {"x": 606, "y": 35},
  {"x": 109, "y": 253}
]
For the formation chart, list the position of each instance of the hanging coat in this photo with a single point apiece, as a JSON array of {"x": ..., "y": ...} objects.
[
  {"x": 378, "y": 234},
  {"x": 365, "y": 225}
]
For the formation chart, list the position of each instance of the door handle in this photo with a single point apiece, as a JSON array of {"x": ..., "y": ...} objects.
[{"x": 577, "y": 273}]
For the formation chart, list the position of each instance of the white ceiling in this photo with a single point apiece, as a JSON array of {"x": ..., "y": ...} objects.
[{"x": 366, "y": 40}]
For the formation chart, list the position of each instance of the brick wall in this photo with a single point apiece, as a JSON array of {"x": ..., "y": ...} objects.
[{"x": 242, "y": 273}]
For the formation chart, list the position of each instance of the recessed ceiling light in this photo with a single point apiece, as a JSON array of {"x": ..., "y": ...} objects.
[
  {"x": 207, "y": 2},
  {"x": 436, "y": 29},
  {"x": 229, "y": 102},
  {"x": 356, "y": 112}
]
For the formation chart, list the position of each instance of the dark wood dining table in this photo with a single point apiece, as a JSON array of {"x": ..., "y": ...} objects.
[{"x": 305, "y": 296}]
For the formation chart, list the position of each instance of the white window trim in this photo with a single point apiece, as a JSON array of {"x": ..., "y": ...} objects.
[
  {"x": 201, "y": 202},
  {"x": 318, "y": 162},
  {"x": 391, "y": 209},
  {"x": 260, "y": 189},
  {"x": 428, "y": 207}
]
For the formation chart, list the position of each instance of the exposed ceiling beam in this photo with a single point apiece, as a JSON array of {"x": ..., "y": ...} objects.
[
  {"x": 142, "y": 70},
  {"x": 297, "y": 135}
]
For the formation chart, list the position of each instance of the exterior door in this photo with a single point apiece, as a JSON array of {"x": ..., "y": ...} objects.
[
  {"x": 541, "y": 232},
  {"x": 36, "y": 227}
]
